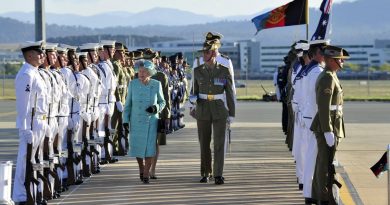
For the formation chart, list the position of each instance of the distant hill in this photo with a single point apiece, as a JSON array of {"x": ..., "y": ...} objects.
[
  {"x": 361, "y": 22},
  {"x": 133, "y": 40},
  {"x": 166, "y": 16}
]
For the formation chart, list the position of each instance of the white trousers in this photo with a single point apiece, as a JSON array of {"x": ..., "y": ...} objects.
[
  {"x": 39, "y": 129},
  {"x": 310, "y": 162},
  {"x": 298, "y": 150}
]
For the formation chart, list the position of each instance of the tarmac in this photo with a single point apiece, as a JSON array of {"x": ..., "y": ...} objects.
[{"x": 259, "y": 169}]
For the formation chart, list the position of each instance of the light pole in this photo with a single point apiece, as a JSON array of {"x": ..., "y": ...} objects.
[
  {"x": 40, "y": 27},
  {"x": 3, "y": 77}
]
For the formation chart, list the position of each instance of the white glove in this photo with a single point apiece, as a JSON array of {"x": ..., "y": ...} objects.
[
  {"x": 299, "y": 119},
  {"x": 27, "y": 134},
  {"x": 119, "y": 106},
  {"x": 294, "y": 107},
  {"x": 329, "y": 137},
  {"x": 86, "y": 117},
  {"x": 230, "y": 120}
]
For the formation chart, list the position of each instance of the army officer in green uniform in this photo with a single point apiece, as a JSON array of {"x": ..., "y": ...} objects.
[
  {"x": 211, "y": 80},
  {"x": 328, "y": 124}
]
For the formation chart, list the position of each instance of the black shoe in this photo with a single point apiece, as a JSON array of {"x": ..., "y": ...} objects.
[
  {"x": 219, "y": 180},
  {"x": 310, "y": 201},
  {"x": 204, "y": 180},
  {"x": 56, "y": 195},
  {"x": 141, "y": 176},
  {"x": 113, "y": 160},
  {"x": 21, "y": 203},
  {"x": 146, "y": 180},
  {"x": 78, "y": 182},
  {"x": 153, "y": 177},
  {"x": 103, "y": 162},
  {"x": 43, "y": 202},
  {"x": 300, "y": 187},
  {"x": 324, "y": 203}
]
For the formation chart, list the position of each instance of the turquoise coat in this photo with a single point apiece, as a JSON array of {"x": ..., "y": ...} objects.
[{"x": 143, "y": 125}]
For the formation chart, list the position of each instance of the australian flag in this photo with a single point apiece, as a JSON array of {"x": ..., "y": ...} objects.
[{"x": 324, "y": 20}]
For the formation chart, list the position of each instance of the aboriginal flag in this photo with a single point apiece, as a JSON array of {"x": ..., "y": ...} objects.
[
  {"x": 381, "y": 166},
  {"x": 293, "y": 13}
]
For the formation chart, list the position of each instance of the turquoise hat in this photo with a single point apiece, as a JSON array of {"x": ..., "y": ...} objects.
[{"x": 149, "y": 65}]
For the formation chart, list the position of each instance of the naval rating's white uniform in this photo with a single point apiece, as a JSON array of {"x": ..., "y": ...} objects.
[{"x": 31, "y": 93}]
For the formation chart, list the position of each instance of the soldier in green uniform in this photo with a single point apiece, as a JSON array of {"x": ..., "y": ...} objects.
[
  {"x": 328, "y": 124},
  {"x": 120, "y": 94},
  {"x": 211, "y": 80}
]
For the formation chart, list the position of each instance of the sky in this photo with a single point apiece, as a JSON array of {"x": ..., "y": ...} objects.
[{"x": 219, "y": 8}]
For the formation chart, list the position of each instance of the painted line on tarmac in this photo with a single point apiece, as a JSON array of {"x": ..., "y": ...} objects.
[
  {"x": 349, "y": 195},
  {"x": 243, "y": 124}
]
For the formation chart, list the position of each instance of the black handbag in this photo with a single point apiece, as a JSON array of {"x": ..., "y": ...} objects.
[{"x": 161, "y": 126}]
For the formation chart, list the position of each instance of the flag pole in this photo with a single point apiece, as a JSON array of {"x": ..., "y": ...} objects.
[{"x": 307, "y": 20}]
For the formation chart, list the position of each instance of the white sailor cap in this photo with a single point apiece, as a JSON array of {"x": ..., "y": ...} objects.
[
  {"x": 51, "y": 47},
  {"x": 32, "y": 45},
  {"x": 82, "y": 54},
  {"x": 70, "y": 48},
  {"x": 62, "y": 49},
  {"x": 108, "y": 43},
  {"x": 99, "y": 47},
  {"x": 89, "y": 47}
]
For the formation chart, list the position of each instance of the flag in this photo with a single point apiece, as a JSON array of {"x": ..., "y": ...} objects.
[
  {"x": 293, "y": 13},
  {"x": 320, "y": 32},
  {"x": 381, "y": 166}
]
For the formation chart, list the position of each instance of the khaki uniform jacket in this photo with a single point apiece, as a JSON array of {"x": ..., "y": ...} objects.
[
  {"x": 213, "y": 82},
  {"x": 166, "y": 112},
  {"x": 329, "y": 94},
  {"x": 120, "y": 92}
]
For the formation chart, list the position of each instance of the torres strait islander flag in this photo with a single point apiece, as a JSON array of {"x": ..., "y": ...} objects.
[
  {"x": 381, "y": 166},
  {"x": 293, "y": 13}
]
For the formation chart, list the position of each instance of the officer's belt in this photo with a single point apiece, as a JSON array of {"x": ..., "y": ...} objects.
[
  {"x": 336, "y": 107},
  {"x": 40, "y": 116},
  {"x": 211, "y": 97},
  {"x": 62, "y": 116}
]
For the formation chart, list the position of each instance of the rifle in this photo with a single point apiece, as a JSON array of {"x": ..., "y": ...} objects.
[
  {"x": 85, "y": 143},
  {"x": 28, "y": 178},
  {"x": 331, "y": 177},
  {"x": 69, "y": 161},
  {"x": 331, "y": 168}
]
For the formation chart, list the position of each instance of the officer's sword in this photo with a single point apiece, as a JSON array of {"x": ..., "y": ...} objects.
[{"x": 229, "y": 137}]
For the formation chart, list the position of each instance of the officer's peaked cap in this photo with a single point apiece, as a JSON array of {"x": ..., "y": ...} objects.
[{"x": 213, "y": 36}]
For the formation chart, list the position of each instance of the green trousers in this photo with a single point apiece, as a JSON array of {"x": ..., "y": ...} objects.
[
  {"x": 205, "y": 128},
  {"x": 321, "y": 174}
]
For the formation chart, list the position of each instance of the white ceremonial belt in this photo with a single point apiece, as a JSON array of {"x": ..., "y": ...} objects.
[
  {"x": 211, "y": 97},
  {"x": 40, "y": 116},
  {"x": 336, "y": 107}
]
